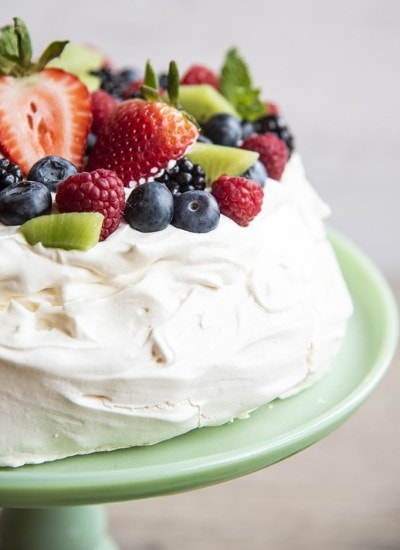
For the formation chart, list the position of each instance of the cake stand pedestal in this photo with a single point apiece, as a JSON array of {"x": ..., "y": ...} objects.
[
  {"x": 71, "y": 528},
  {"x": 51, "y": 506}
]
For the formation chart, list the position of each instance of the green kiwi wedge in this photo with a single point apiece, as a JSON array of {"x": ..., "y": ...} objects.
[
  {"x": 72, "y": 230},
  {"x": 203, "y": 101},
  {"x": 80, "y": 61},
  {"x": 218, "y": 159}
]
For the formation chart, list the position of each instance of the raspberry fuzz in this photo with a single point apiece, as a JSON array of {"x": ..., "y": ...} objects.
[
  {"x": 273, "y": 152},
  {"x": 98, "y": 191},
  {"x": 239, "y": 198}
]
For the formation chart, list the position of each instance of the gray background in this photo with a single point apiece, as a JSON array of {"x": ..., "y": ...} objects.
[
  {"x": 334, "y": 69},
  {"x": 332, "y": 66}
]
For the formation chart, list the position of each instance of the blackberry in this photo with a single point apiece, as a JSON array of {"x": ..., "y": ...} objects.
[
  {"x": 184, "y": 176},
  {"x": 115, "y": 82},
  {"x": 277, "y": 125},
  {"x": 9, "y": 173}
]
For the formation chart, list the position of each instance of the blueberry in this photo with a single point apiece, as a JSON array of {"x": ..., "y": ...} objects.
[
  {"x": 23, "y": 201},
  {"x": 149, "y": 207},
  {"x": 248, "y": 129},
  {"x": 256, "y": 172},
  {"x": 203, "y": 139},
  {"x": 51, "y": 171},
  {"x": 196, "y": 211},
  {"x": 223, "y": 129}
]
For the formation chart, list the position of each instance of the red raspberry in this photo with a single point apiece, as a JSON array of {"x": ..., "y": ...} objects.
[
  {"x": 102, "y": 105},
  {"x": 239, "y": 198},
  {"x": 198, "y": 74},
  {"x": 273, "y": 152},
  {"x": 272, "y": 108},
  {"x": 132, "y": 89},
  {"x": 98, "y": 191}
]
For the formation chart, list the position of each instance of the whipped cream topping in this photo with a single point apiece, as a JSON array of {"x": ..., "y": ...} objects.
[{"x": 149, "y": 335}]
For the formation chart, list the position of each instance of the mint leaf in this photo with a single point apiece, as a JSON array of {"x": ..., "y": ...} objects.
[{"x": 236, "y": 85}]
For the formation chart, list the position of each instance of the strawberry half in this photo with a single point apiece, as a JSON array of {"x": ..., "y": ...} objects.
[
  {"x": 140, "y": 137},
  {"x": 42, "y": 111}
]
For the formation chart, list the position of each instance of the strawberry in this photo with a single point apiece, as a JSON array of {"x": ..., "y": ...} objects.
[
  {"x": 140, "y": 137},
  {"x": 43, "y": 111}
]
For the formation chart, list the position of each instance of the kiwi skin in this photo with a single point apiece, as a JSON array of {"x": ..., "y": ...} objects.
[
  {"x": 69, "y": 231},
  {"x": 220, "y": 159}
]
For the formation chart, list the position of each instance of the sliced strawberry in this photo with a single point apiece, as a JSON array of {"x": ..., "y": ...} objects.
[{"x": 45, "y": 113}]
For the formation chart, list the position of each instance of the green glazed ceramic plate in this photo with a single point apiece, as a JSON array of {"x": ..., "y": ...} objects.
[{"x": 211, "y": 455}]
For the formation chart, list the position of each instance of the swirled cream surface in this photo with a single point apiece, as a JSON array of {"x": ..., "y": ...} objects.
[{"x": 147, "y": 336}]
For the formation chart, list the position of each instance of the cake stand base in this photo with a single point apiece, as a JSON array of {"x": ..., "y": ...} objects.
[{"x": 65, "y": 528}]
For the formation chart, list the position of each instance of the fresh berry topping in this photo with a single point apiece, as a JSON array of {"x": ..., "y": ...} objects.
[
  {"x": 140, "y": 138},
  {"x": 43, "y": 111},
  {"x": 223, "y": 129},
  {"x": 198, "y": 74},
  {"x": 277, "y": 125},
  {"x": 272, "y": 150},
  {"x": 239, "y": 198},
  {"x": 196, "y": 211},
  {"x": 256, "y": 172},
  {"x": 133, "y": 90},
  {"x": 51, "y": 171},
  {"x": 163, "y": 81},
  {"x": 248, "y": 129},
  {"x": 102, "y": 105},
  {"x": 23, "y": 201},
  {"x": 43, "y": 114},
  {"x": 204, "y": 139},
  {"x": 115, "y": 82},
  {"x": 272, "y": 108},
  {"x": 9, "y": 173},
  {"x": 98, "y": 191},
  {"x": 149, "y": 207},
  {"x": 184, "y": 176}
]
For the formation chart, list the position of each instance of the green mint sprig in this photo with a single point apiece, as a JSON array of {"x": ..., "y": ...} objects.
[{"x": 237, "y": 86}]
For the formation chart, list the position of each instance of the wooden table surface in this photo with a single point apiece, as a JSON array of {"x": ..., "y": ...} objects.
[{"x": 343, "y": 493}]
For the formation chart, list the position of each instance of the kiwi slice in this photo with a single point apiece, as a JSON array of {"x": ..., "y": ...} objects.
[
  {"x": 203, "y": 101},
  {"x": 80, "y": 61},
  {"x": 72, "y": 230},
  {"x": 218, "y": 159}
]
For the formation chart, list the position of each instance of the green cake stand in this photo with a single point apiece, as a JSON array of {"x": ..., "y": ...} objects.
[{"x": 56, "y": 506}]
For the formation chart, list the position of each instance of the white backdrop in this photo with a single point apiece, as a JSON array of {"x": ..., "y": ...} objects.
[{"x": 332, "y": 66}]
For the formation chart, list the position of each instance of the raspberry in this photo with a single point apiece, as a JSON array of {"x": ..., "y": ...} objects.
[
  {"x": 272, "y": 108},
  {"x": 98, "y": 191},
  {"x": 198, "y": 74},
  {"x": 273, "y": 152},
  {"x": 102, "y": 105},
  {"x": 239, "y": 198},
  {"x": 133, "y": 89}
]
